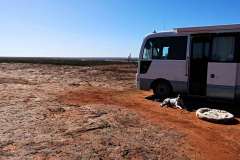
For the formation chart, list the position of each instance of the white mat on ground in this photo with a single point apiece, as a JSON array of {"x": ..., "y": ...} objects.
[{"x": 214, "y": 115}]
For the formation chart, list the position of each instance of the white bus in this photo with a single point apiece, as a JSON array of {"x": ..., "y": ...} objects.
[{"x": 203, "y": 61}]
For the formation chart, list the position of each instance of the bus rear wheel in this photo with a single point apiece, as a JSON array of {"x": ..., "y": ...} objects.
[{"x": 162, "y": 90}]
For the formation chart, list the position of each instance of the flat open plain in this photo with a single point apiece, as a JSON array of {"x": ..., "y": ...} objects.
[{"x": 94, "y": 112}]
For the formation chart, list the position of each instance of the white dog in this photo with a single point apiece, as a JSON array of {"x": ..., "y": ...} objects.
[{"x": 177, "y": 102}]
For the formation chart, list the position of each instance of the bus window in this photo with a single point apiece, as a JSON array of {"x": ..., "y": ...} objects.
[
  {"x": 177, "y": 48},
  {"x": 156, "y": 53},
  {"x": 166, "y": 48},
  {"x": 197, "y": 50},
  {"x": 165, "y": 52},
  {"x": 147, "y": 52},
  {"x": 200, "y": 50},
  {"x": 223, "y": 49},
  {"x": 172, "y": 48}
]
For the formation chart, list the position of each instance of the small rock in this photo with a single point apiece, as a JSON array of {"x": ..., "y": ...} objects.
[{"x": 56, "y": 109}]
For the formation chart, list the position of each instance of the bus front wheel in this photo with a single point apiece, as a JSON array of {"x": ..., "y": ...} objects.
[{"x": 162, "y": 89}]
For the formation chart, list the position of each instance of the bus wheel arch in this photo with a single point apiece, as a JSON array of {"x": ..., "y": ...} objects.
[{"x": 162, "y": 88}]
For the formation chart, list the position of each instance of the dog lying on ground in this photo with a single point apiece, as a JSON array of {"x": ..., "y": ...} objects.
[{"x": 176, "y": 102}]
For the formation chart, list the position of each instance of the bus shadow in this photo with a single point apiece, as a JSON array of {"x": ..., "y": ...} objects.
[{"x": 191, "y": 104}]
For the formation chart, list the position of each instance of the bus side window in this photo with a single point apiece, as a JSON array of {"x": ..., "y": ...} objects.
[
  {"x": 173, "y": 48},
  {"x": 157, "y": 53},
  {"x": 147, "y": 52},
  {"x": 223, "y": 49},
  {"x": 156, "y": 49},
  {"x": 166, "y": 48},
  {"x": 165, "y": 52}
]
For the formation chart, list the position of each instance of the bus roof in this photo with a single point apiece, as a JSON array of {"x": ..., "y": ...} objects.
[
  {"x": 196, "y": 30},
  {"x": 209, "y": 29}
]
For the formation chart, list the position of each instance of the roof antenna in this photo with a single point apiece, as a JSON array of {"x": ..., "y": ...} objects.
[{"x": 154, "y": 31}]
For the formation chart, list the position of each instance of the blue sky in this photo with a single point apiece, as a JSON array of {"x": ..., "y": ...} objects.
[{"x": 99, "y": 28}]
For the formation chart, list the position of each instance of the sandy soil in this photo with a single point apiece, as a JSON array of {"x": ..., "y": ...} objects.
[{"x": 95, "y": 112}]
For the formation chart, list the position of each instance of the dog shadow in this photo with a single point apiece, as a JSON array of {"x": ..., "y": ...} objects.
[{"x": 192, "y": 103}]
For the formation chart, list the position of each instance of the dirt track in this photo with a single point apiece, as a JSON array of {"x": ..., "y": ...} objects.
[{"x": 74, "y": 112}]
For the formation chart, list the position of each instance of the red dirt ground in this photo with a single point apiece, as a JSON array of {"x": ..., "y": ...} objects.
[
  {"x": 203, "y": 140},
  {"x": 95, "y": 112}
]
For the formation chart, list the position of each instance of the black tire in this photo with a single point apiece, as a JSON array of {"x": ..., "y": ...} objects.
[{"x": 162, "y": 89}]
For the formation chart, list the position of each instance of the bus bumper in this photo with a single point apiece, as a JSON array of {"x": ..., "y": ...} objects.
[
  {"x": 142, "y": 83},
  {"x": 137, "y": 80}
]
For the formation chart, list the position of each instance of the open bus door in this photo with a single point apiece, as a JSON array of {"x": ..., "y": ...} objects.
[{"x": 200, "y": 49}]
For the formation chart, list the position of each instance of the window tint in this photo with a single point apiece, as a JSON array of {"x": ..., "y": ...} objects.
[
  {"x": 200, "y": 50},
  {"x": 173, "y": 48},
  {"x": 197, "y": 50},
  {"x": 223, "y": 49}
]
